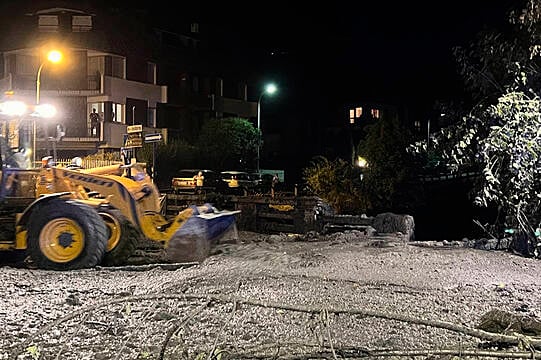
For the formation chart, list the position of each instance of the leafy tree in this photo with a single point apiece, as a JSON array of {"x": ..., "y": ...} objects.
[
  {"x": 338, "y": 183},
  {"x": 229, "y": 143},
  {"x": 389, "y": 165},
  {"x": 170, "y": 157},
  {"x": 500, "y": 136}
]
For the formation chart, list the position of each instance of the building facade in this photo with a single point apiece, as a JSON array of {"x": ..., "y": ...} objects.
[{"x": 115, "y": 65}]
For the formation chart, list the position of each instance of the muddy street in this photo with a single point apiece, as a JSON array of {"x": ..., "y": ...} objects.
[{"x": 270, "y": 296}]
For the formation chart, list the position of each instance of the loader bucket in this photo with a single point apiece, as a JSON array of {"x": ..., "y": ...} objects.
[{"x": 193, "y": 241}]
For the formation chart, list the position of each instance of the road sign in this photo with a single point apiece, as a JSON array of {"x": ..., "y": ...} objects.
[
  {"x": 149, "y": 138},
  {"x": 133, "y": 140},
  {"x": 135, "y": 128}
]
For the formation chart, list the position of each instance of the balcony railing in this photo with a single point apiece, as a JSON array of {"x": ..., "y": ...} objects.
[{"x": 28, "y": 82}]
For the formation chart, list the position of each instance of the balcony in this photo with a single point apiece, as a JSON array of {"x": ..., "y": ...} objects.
[
  {"x": 25, "y": 86},
  {"x": 113, "y": 138}
]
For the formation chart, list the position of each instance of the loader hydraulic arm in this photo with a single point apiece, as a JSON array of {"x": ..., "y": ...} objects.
[{"x": 135, "y": 196}]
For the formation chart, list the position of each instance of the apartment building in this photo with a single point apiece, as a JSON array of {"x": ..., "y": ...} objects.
[{"x": 115, "y": 65}]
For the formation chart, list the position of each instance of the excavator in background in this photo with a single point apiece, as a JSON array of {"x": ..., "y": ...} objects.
[{"x": 70, "y": 217}]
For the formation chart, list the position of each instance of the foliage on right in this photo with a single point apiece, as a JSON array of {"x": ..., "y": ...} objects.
[{"x": 500, "y": 134}]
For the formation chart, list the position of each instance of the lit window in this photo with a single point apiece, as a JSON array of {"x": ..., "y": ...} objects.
[
  {"x": 358, "y": 112},
  {"x": 375, "y": 113},
  {"x": 351, "y": 113},
  {"x": 352, "y": 120},
  {"x": 417, "y": 125}
]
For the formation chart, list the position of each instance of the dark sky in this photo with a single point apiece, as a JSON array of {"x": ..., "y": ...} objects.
[
  {"x": 337, "y": 52},
  {"x": 340, "y": 52}
]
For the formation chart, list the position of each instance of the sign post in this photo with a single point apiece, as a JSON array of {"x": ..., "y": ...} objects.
[
  {"x": 154, "y": 139},
  {"x": 134, "y": 139}
]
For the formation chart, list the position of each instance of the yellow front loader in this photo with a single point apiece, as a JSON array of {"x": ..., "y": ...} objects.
[{"x": 77, "y": 218}]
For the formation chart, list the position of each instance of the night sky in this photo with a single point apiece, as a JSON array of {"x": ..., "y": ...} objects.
[
  {"x": 341, "y": 52},
  {"x": 334, "y": 53}
]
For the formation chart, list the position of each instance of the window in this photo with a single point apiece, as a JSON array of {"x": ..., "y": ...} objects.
[
  {"x": 48, "y": 23},
  {"x": 375, "y": 113},
  {"x": 96, "y": 65},
  {"x": 417, "y": 125},
  {"x": 219, "y": 87},
  {"x": 117, "y": 115},
  {"x": 358, "y": 112},
  {"x": 117, "y": 67},
  {"x": 151, "y": 117},
  {"x": 93, "y": 126},
  {"x": 194, "y": 27},
  {"x": 352, "y": 116},
  {"x": 81, "y": 23}
]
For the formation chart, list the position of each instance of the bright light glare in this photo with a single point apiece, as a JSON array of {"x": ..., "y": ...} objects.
[
  {"x": 361, "y": 162},
  {"x": 270, "y": 89},
  {"x": 13, "y": 108},
  {"x": 45, "y": 111},
  {"x": 54, "y": 56}
]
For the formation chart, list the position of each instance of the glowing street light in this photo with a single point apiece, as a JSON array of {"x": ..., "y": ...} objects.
[
  {"x": 269, "y": 89},
  {"x": 53, "y": 56},
  {"x": 13, "y": 108},
  {"x": 44, "y": 111}
]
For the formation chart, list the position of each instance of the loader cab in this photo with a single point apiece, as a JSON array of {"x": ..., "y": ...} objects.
[
  {"x": 18, "y": 185},
  {"x": 17, "y": 179}
]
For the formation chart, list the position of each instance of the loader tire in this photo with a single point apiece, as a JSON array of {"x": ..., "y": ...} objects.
[
  {"x": 66, "y": 235},
  {"x": 123, "y": 237}
]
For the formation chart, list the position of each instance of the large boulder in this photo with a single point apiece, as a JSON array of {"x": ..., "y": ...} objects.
[{"x": 391, "y": 223}]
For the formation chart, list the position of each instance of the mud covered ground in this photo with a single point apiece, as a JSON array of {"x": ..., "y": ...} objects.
[{"x": 344, "y": 295}]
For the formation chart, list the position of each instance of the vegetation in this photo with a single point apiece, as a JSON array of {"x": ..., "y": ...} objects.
[
  {"x": 384, "y": 185},
  {"x": 229, "y": 143},
  {"x": 170, "y": 157},
  {"x": 499, "y": 135},
  {"x": 389, "y": 166},
  {"x": 338, "y": 183}
]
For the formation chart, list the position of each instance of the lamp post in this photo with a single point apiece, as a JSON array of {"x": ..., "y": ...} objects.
[
  {"x": 269, "y": 89},
  {"x": 53, "y": 56}
]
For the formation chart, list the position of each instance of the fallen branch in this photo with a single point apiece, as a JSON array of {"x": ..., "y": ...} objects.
[
  {"x": 484, "y": 229},
  {"x": 356, "y": 353},
  {"x": 74, "y": 335},
  {"x": 480, "y": 334},
  {"x": 211, "y": 353},
  {"x": 327, "y": 325},
  {"x": 175, "y": 327},
  {"x": 118, "y": 354},
  {"x": 146, "y": 267}
]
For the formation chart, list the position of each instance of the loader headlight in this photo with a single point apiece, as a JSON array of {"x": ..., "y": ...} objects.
[
  {"x": 47, "y": 162},
  {"x": 77, "y": 161}
]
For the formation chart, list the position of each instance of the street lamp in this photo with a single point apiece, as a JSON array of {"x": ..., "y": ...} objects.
[
  {"x": 53, "y": 56},
  {"x": 269, "y": 89}
]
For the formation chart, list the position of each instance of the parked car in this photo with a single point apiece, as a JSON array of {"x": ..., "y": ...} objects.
[
  {"x": 185, "y": 181},
  {"x": 262, "y": 182},
  {"x": 238, "y": 182}
]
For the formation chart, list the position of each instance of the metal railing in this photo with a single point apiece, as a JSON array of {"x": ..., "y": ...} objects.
[{"x": 89, "y": 163}]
